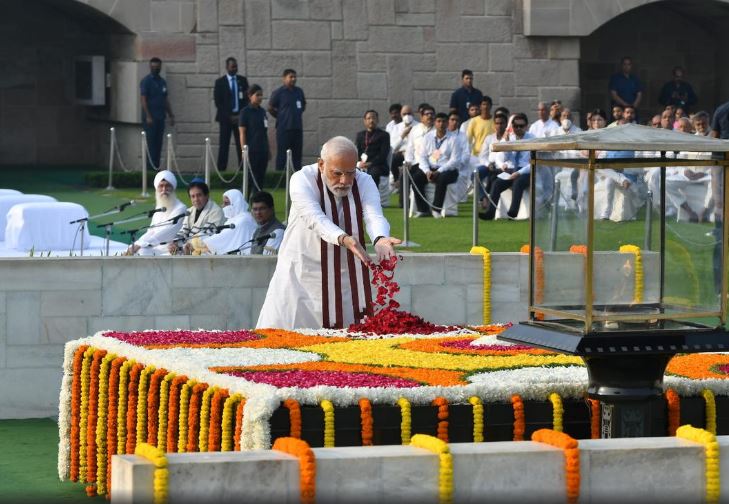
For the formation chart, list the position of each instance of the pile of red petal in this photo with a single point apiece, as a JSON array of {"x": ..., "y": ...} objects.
[{"x": 387, "y": 318}]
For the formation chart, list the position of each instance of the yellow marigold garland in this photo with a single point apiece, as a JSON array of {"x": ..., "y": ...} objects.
[
  {"x": 142, "y": 403},
  {"x": 205, "y": 417},
  {"x": 708, "y": 396},
  {"x": 477, "y": 419},
  {"x": 445, "y": 470},
  {"x": 711, "y": 450},
  {"x": 406, "y": 420},
  {"x": 101, "y": 424},
  {"x": 85, "y": 382},
  {"x": 486, "y": 254},
  {"x": 638, "y": 274},
  {"x": 228, "y": 422},
  {"x": 164, "y": 395},
  {"x": 328, "y": 408},
  {"x": 121, "y": 412},
  {"x": 557, "y": 412},
  {"x": 161, "y": 474},
  {"x": 184, "y": 410}
]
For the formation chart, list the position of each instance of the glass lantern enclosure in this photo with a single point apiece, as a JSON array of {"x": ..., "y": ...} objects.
[{"x": 627, "y": 238}]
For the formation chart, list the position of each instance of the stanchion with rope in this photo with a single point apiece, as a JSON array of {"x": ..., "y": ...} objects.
[
  {"x": 405, "y": 177},
  {"x": 476, "y": 184},
  {"x": 145, "y": 194},
  {"x": 112, "y": 143},
  {"x": 246, "y": 168},
  {"x": 169, "y": 152},
  {"x": 289, "y": 170},
  {"x": 207, "y": 161}
]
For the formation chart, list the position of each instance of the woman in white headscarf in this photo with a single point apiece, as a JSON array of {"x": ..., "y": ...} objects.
[{"x": 230, "y": 239}]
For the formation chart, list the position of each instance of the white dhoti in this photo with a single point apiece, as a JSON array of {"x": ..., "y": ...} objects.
[{"x": 317, "y": 283}]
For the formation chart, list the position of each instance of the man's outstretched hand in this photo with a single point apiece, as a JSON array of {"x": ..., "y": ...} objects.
[
  {"x": 385, "y": 247},
  {"x": 351, "y": 244}
]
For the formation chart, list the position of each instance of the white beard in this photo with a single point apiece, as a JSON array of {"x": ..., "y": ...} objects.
[
  {"x": 166, "y": 201},
  {"x": 339, "y": 192}
]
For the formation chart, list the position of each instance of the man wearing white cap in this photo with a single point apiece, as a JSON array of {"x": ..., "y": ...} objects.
[{"x": 166, "y": 221}]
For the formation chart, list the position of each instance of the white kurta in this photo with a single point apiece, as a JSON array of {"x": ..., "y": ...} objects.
[
  {"x": 294, "y": 297},
  {"x": 150, "y": 241},
  {"x": 229, "y": 240}
]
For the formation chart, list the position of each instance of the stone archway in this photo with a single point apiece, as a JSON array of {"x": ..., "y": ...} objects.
[
  {"x": 41, "y": 121},
  {"x": 659, "y": 36}
]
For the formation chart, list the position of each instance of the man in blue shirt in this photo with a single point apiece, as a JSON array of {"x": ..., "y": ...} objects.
[
  {"x": 155, "y": 108},
  {"x": 465, "y": 96},
  {"x": 625, "y": 88},
  {"x": 287, "y": 105}
]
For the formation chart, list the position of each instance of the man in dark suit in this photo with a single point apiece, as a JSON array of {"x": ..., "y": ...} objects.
[{"x": 231, "y": 95}]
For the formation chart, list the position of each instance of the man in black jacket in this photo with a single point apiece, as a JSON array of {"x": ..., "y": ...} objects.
[
  {"x": 230, "y": 97},
  {"x": 373, "y": 146}
]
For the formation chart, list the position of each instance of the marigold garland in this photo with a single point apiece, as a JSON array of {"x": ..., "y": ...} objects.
[
  {"x": 161, "y": 473},
  {"x": 594, "y": 418},
  {"x": 185, "y": 392},
  {"x": 442, "y": 431},
  {"x": 84, "y": 412},
  {"x": 708, "y": 396},
  {"x": 101, "y": 423},
  {"x": 406, "y": 420},
  {"x": 486, "y": 254},
  {"x": 294, "y": 417},
  {"x": 207, "y": 398},
  {"x": 78, "y": 359},
  {"x": 193, "y": 417},
  {"x": 328, "y": 408},
  {"x": 445, "y": 469},
  {"x": 132, "y": 400},
  {"x": 216, "y": 420},
  {"x": 153, "y": 402},
  {"x": 307, "y": 465},
  {"x": 163, "y": 411},
  {"x": 557, "y": 412},
  {"x": 571, "y": 458},
  {"x": 173, "y": 413},
  {"x": 477, "y": 419},
  {"x": 142, "y": 403},
  {"x": 239, "y": 423},
  {"x": 578, "y": 249},
  {"x": 367, "y": 422},
  {"x": 228, "y": 422},
  {"x": 638, "y": 274},
  {"x": 112, "y": 421},
  {"x": 673, "y": 405},
  {"x": 519, "y": 425},
  {"x": 92, "y": 423},
  {"x": 711, "y": 451}
]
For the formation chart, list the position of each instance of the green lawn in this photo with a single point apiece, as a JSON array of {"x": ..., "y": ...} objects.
[{"x": 28, "y": 469}]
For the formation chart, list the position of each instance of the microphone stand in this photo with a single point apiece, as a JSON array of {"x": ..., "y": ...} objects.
[
  {"x": 82, "y": 222},
  {"x": 109, "y": 225}
]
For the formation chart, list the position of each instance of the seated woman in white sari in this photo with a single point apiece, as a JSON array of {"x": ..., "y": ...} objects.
[{"x": 229, "y": 239}]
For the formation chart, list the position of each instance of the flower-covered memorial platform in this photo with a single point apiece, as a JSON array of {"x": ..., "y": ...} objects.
[{"x": 197, "y": 391}]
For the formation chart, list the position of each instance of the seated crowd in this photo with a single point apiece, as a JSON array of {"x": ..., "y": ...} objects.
[{"x": 205, "y": 228}]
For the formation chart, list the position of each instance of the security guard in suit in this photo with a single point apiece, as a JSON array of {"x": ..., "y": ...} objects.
[{"x": 231, "y": 95}]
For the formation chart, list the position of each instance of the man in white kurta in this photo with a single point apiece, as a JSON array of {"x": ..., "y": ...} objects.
[
  {"x": 165, "y": 224},
  {"x": 321, "y": 277}
]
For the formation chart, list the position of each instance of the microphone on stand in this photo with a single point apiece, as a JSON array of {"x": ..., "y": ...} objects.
[
  {"x": 259, "y": 240},
  {"x": 123, "y": 206},
  {"x": 178, "y": 217},
  {"x": 152, "y": 212},
  {"x": 218, "y": 229}
]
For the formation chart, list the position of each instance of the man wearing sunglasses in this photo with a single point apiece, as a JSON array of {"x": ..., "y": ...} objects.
[{"x": 515, "y": 174}]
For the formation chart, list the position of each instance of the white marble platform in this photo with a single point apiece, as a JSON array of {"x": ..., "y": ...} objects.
[{"x": 612, "y": 470}]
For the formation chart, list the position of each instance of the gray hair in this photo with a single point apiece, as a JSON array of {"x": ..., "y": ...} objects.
[{"x": 337, "y": 146}]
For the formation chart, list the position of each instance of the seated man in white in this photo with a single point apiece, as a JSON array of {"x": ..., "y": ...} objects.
[
  {"x": 203, "y": 216},
  {"x": 165, "y": 223},
  {"x": 492, "y": 163},
  {"x": 628, "y": 182},
  {"x": 440, "y": 160},
  {"x": 233, "y": 238}
]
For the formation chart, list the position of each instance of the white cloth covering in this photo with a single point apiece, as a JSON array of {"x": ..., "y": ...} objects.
[
  {"x": 45, "y": 226},
  {"x": 150, "y": 241},
  {"x": 9, "y": 201},
  {"x": 294, "y": 297},
  {"x": 9, "y": 192},
  {"x": 229, "y": 240}
]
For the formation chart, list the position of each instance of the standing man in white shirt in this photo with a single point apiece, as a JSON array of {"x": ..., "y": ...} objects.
[{"x": 399, "y": 134}]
